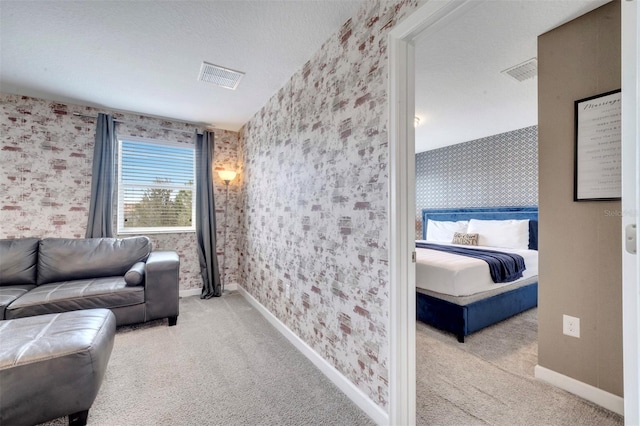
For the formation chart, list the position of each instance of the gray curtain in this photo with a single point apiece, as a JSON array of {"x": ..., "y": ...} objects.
[
  {"x": 100, "y": 223},
  {"x": 206, "y": 217}
]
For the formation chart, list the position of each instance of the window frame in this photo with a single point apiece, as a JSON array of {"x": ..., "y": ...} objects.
[{"x": 120, "y": 229}]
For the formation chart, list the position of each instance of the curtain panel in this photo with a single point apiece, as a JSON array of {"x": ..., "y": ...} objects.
[
  {"x": 100, "y": 220},
  {"x": 206, "y": 216}
]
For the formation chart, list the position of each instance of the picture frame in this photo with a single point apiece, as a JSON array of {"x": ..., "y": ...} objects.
[{"x": 598, "y": 148}]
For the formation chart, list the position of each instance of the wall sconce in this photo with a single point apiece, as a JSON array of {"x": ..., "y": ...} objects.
[
  {"x": 227, "y": 176},
  {"x": 416, "y": 121}
]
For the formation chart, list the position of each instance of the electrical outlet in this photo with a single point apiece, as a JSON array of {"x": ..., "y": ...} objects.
[
  {"x": 571, "y": 326},
  {"x": 287, "y": 291}
]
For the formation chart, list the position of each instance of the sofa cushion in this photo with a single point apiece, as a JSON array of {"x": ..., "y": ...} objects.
[
  {"x": 18, "y": 259},
  {"x": 109, "y": 292},
  {"x": 62, "y": 259},
  {"x": 10, "y": 293}
]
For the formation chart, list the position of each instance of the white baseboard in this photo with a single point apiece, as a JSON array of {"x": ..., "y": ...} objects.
[
  {"x": 590, "y": 393},
  {"x": 190, "y": 292},
  {"x": 358, "y": 397},
  {"x": 198, "y": 291},
  {"x": 231, "y": 287}
]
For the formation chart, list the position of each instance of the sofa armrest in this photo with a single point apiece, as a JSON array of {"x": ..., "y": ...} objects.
[{"x": 162, "y": 275}]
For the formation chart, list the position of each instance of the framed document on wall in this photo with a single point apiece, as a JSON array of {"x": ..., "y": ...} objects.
[{"x": 598, "y": 151}]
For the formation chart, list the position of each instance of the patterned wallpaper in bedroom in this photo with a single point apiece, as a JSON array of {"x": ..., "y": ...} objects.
[
  {"x": 45, "y": 175},
  {"x": 315, "y": 197},
  {"x": 500, "y": 170}
]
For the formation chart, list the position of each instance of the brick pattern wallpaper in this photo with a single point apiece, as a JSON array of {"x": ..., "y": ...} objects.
[
  {"x": 45, "y": 175},
  {"x": 500, "y": 170},
  {"x": 314, "y": 200}
]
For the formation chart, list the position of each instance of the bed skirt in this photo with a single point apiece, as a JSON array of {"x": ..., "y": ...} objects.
[{"x": 463, "y": 320}]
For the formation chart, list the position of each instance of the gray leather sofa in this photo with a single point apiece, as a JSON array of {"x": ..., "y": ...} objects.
[{"x": 53, "y": 275}]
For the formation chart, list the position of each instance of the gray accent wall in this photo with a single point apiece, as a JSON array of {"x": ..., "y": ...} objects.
[{"x": 499, "y": 170}]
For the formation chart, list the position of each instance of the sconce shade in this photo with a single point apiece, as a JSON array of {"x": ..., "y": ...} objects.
[{"x": 227, "y": 175}]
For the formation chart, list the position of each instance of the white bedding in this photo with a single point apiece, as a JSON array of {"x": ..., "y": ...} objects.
[{"x": 457, "y": 275}]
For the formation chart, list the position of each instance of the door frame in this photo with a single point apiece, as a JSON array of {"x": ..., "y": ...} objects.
[
  {"x": 402, "y": 204},
  {"x": 630, "y": 208}
]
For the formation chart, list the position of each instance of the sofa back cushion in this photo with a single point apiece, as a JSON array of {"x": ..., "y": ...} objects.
[
  {"x": 62, "y": 259},
  {"x": 18, "y": 259}
]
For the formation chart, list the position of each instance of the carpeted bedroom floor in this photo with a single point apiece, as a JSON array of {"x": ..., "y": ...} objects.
[
  {"x": 224, "y": 364},
  {"x": 488, "y": 380}
]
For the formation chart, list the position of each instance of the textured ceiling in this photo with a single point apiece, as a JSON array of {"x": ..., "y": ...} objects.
[
  {"x": 145, "y": 56},
  {"x": 461, "y": 94}
]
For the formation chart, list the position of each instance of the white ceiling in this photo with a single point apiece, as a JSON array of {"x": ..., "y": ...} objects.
[
  {"x": 145, "y": 57},
  {"x": 461, "y": 94}
]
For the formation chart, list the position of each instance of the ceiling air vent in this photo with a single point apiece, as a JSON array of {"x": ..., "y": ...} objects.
[
  {"x": 220, "y": 76},
  {"x": 523, "y": 71}
]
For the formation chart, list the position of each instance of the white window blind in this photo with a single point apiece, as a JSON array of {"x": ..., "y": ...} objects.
[{"x": 156, "y": 187}]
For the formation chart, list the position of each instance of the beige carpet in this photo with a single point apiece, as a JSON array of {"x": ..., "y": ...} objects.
[
  {"x": 223, "y": 364},
  {"x": 488, "y": 380}
]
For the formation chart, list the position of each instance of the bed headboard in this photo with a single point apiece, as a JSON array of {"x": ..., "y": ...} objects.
[{"x": 486, "y": 213}]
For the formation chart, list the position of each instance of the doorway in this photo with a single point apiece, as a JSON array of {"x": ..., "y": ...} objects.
[{"x": 425, "y": 20}]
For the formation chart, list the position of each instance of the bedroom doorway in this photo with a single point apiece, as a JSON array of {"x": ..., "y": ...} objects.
[{"x": 427, "y": 20}]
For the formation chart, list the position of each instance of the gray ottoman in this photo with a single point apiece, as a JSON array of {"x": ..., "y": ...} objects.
[{"x": 52, "y": 365}]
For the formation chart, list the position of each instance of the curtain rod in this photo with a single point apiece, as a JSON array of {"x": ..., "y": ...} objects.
[{"x": 77, "y": 114}]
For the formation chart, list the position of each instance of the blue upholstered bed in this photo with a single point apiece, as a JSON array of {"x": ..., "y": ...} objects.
[{"x": 463, "y": 319}]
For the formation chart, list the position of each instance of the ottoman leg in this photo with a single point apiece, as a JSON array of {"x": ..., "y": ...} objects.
[
  {"x": 79, "y": 418},
  {"x": 173, "y": 320}
]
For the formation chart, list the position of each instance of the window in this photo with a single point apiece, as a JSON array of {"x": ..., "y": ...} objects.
[{"x": 156, "y": 187}]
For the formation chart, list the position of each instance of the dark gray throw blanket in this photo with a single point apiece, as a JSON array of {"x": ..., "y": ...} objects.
[{"x": 504, "y": 267}]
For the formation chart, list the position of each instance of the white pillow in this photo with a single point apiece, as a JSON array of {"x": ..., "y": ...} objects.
[
  {"x": 501, "y": 233},
  {"x": 442, "y": 232}
]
